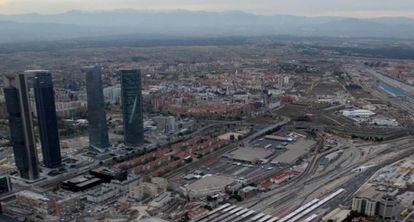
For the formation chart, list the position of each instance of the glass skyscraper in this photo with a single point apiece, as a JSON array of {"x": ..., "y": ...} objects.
[
  {"x": 46, "y": 115},
  {"x": 21, "y": 128},
  {"x": 131, "y": 97},
  {"x": 98, "y": 130}
]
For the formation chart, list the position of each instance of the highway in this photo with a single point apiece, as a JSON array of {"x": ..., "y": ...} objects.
[{"x": 358, "y": 72}]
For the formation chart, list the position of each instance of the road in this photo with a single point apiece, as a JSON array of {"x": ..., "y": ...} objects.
[
  {"x": 265, "y": 131},
  {"x": 358, "y": 73}
]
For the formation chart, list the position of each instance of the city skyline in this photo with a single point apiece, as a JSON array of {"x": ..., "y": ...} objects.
[
  {"x": 207, "y": 110},
  {"x": 353, "y": 8}
]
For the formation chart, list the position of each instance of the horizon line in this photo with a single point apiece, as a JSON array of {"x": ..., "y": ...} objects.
[{"x": 201, "y": 11}]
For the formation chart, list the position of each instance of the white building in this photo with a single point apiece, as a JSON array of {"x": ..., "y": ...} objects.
[
  {"x": 103, "y": 194},
  {"x": 112, "y": 94},
  {"x": 111, "y": 191},
  {"x": 68, "y": 109},
  {"x": 361, "y": 113},
  {"x": 170, "y": 125},
  {"x": 384, "y": 122}
]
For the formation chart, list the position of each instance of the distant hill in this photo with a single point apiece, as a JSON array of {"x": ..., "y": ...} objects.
[{"x": 79, "y": 24}]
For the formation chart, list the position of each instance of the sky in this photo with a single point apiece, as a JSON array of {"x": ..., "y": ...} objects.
[{"x": 351, "y": 8}]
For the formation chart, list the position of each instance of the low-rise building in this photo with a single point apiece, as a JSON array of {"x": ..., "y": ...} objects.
[
  {"x": 208, "y": 185},
  {"x": 161, "y": 200},
  {"x": 362, "y": 113},
  {"x": 384, "y": 122},
  {"x": 284, "y": 176},
  {"x": 337, "y": 215},
  {"x": 112, "y": 191},
  {"x": 105, "y": 193},
  {"x": 36, "y": 202},
  {"x": 251, "y": 155},
  {"x": 248, "y": 192},
  {"x": 150, "y": 189},
  {"x": 81, "y": 183}
]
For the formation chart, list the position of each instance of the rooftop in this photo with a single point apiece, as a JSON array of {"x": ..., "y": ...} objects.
[
  {"x": 33, "y": 195},
  {"x": 210, "y": 182},
  {"x": 370, "y": 192},
  {"x": 295, "y": 150},
  {"x": 250, "y": 154}
]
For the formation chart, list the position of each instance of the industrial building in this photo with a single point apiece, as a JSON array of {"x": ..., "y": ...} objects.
[
  {"x": 208, "y": 185},
  {"x": 357, "y": 113},
  {"x": 251, "y": 155}
]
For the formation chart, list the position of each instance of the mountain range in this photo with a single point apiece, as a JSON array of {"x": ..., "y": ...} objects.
[{"x": 180, "y": 23}]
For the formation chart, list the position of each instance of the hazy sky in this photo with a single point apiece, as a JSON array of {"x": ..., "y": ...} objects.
[{"x": 355, "y": 8}]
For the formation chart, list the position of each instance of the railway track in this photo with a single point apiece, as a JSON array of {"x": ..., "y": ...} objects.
[
  {"x": 287, "y": 188},
  {"x": 352, "y": 186}
]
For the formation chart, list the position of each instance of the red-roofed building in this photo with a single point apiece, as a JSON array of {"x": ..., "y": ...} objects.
[
  {"x": 197, "y": 212},
  {"x": 281, "y": 177}
]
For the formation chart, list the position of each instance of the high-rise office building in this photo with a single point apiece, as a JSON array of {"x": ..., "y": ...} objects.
[
  {"x": 98, "y": 130},
  {"x": 131, "y": 97},
  {"x": 46, "y": 115},
  {"x": 21, "y": 128}
]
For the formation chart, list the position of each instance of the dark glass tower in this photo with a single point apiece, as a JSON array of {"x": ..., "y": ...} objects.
[
  {"x": 46, "y": 115},
  {"x": 21, "y": 129},
  {"x": 131, "y": 96},
  {"x": 98, "y": 130}
]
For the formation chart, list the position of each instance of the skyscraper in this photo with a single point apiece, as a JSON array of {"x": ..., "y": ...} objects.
[
  {"x": 46, "y": 115},
  {"x": 131, "y": 97},
  {"x": 21, "y": 128},
  {"x": 98, "y": 130}
]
